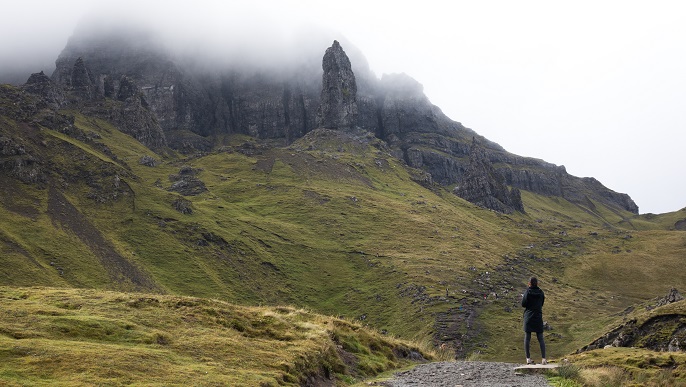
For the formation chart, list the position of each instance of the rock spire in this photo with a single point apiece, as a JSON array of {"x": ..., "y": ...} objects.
[
  {"x": 338, "y": 108},
  {"x": 82, "y": 82}
]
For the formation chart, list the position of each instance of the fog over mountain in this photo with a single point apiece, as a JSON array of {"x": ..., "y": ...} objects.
[{"x": 596, "y": 88}]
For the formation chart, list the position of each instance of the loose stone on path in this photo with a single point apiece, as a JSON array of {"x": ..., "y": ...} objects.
[{"x": 465, "y": 374}]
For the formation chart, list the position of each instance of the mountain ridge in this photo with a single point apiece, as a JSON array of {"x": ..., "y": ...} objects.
[{"x": 192, "y": 107}]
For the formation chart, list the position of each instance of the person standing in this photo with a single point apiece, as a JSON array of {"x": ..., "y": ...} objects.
[{"x": 533, "y": 299}]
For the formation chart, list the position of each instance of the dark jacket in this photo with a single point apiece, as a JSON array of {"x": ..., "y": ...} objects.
[{"x": 533, "y": 315}]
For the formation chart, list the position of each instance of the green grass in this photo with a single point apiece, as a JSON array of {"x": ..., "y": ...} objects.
[
  {"x": 630, "y": 366},
  {"x": 664, "y": 221},
  {"x": 78, "y": 337}
]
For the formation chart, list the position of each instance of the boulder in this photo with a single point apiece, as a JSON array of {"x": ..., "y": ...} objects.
[
  {"x": 188, "y": 186},
  {"x": 148, "y": 161},
  {"x": 672, "y": 296},
  {"x": 186, "y": 183},
  {"x": 183, "y": 206}
]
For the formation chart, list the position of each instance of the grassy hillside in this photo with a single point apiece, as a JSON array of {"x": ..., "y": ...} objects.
[
  {"x": 668, "y": 221},
  {"x": 332, "y": 223},
  {"x": 645, "y": 334},
  {"x": 74, "y": 337}
]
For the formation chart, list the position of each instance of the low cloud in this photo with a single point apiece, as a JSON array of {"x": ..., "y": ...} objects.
[{"x": 214, "y": 35}]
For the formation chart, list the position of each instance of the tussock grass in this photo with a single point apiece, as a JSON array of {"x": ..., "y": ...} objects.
[
  {"x": 83, "y": 337},
  {"x": 630, "y": 366}
]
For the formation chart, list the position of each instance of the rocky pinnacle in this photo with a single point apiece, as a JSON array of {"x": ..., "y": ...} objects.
[{"x": 338, "y": 109}]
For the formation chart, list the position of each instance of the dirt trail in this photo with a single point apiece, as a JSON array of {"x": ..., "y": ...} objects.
[{"x": 465, "y": 374}]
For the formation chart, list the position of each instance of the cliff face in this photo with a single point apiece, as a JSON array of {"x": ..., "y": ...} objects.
[
  {"x": 165, "y": 100},
  {"x": 485, "y": 187}
]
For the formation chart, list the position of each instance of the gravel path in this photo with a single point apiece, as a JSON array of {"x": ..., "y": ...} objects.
[{"x": 465, "y": 374}]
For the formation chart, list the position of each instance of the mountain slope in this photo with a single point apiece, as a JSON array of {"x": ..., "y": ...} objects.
[{"x": 333, "y": 222}]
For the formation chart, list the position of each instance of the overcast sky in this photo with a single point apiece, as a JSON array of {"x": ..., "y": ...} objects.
[{"x": 596, "y": 86}]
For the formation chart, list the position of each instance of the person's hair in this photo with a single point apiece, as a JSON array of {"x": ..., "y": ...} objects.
[{"x": 533, "y": 281}]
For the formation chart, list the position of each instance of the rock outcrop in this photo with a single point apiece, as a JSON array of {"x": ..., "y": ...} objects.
[
  {"x": 40, "y": 84},
  {"x": 671, "y": 297},
  {"x": 484, "y": 186},
  {"x": 338, "y": 102},
  {"x": 133, "y": 117},
  {"x": 186, "y": 182},
  {"x": 17, "y": 161},
  {"x": 662, "y": 331},
  {"x": 129, "y": 111}
]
